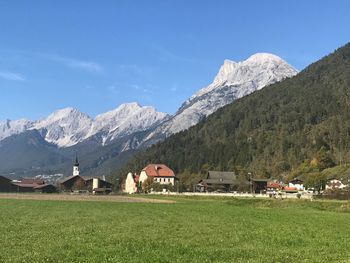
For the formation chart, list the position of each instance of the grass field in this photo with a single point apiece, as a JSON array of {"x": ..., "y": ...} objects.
[{"x": 190, "y": 230}]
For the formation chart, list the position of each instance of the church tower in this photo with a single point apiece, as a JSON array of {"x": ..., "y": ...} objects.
[{"x": 76, "y": 166}]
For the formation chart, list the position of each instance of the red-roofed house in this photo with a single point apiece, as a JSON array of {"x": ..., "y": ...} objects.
[{"x": 159, "y": 172}]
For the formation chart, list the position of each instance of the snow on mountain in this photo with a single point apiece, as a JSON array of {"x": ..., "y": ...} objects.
[
  {"x": 8, "y": 127},
  {"x": 126, "y": 119},
  {"x": 64, "y": 127},
  {"x": 68, "y": 126},
  {"x": 234, "y": 80}
]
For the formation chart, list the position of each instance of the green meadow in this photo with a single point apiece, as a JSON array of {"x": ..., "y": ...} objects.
[{"x": 190, "y": 230}]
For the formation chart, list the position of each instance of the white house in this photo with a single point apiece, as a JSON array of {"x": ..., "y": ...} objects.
[
  {"x": 131, "y": 183},
  {"x": 159, "y": 172},
  {"x": 334, "y": 184},
  {"x": 296, "y": 183}
]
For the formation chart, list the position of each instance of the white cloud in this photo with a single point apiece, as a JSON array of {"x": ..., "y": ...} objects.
[
  {"x": 76, "y": 63},
  {"x": 11, "y": 76}
]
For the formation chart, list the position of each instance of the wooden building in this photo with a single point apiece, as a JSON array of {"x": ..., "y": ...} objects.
[
  {"x": 259, "y": 186},
  {"x": 6, "y": 184},
  {"x": 77, "y": 183},
  {"x": 218, "y": 181},
  {"x": 26, "y": 185}
]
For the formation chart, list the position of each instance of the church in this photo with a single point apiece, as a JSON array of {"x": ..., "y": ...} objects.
[{"x": 84, "y": 184}]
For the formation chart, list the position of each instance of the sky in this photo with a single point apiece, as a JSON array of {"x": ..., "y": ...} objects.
[{"x": 95, "y": 55}]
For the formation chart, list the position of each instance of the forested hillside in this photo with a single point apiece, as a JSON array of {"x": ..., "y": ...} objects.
[{"x": 270, "y": 132}]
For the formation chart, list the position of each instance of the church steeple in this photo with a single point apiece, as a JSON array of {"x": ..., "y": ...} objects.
[
  {"x": 76, "y": 166},
  {"x": 76, "y": 160}
]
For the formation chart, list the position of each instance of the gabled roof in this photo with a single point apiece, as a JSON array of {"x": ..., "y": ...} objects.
[
  {"x": 158, "y": 170},
  {"x": 69, "y": 178},
  {"x": 221, "y": 175},
  {"x": 32, "y": 181},
  {"x": 218, "y": 177},
  {"x": 5, "y": 178},
  {"x": 296, "y": 181}
]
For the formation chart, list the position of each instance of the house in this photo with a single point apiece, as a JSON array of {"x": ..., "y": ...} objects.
[
  {"x": 25, "y": 186},
  {"x": 273, "y": 187},
  {"x": 131, "y": 183},
  {"x": 218, "y": 181},
  {"x": 6, "y": 184},
  {"x": 77, "y": 183},
  {"x": 98, "y": 185},
  {"x": 335, "y": 184},
  {"x": 160, "y": 173},
  {"x": 295, "y": 184}
]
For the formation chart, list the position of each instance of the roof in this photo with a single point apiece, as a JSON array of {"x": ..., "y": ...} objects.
[
  {"x": 32, "y": 181},
  {"x": 25, "y": 185},
  {"x": 218, "y": 177},
  {"x": 43, "y": 186},
  {"x": 260, "y": 180},
  {"x": 273, "y": 185},
  {"x": 296, "y": 180},
  {"x": 68, "y": 178},
  {"x": 221, "y": 175},
  {"x": 158, "y": 170},
  {"x": 5, "y": 178}
]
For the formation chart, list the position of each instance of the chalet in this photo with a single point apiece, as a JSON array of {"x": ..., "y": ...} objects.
[
  {"x": 33, "y": 185},
  {"x": 26, "y": 185},
  {"x": 335, "y": 184},
  {"x": 297, "y": 184},
  {"x": 218, "y": 181},
  {"x": 159, "y": 172},
  {"x": 131, "y": 183}
]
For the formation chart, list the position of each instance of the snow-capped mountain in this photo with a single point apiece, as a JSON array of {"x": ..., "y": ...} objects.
[
  {"x": 125, "y": 120},
  {"x": 64, "y": 127},
  {"x": 233, "y": 81},
  {"x": 48, "y": 146},
  {"x": 68, "y": 126},
  {"x": 8, "y": 127}
]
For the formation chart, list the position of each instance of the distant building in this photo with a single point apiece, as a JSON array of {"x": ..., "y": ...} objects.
[
  {"x": 79, "y": 184},
  {"x": 296, "y": 184},
  {"x": 259, "y": 186},
  {"x": 218, "y": 181},
  {"x": 76, "y": 167},
  {"x": 6, "y": 184},
  {"x": 131, "y": 183},
  {"x": 160, "y": 173},
  {"x": 335, "y": 184},
  {"x": 25, "y": 186}
]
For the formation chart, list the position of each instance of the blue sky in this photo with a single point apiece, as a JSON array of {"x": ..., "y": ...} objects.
[{"x": 95, "y": 55}]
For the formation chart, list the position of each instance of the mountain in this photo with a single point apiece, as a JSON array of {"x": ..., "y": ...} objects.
[
  {"x": 105, "y": 142},
  {"x": 8, "y": 127},
  {"x": 66, "y": 132},
  {"x": 67, "y": 127},
  {"x": 233, "y": 81},
  {"x": 269, "y": 132}
]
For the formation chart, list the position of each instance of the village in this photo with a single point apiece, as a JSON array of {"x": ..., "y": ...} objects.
[{"x": 160, "y": 179}]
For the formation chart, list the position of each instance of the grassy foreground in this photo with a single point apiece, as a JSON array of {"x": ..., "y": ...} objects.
[{"x": 190, "y": 230}]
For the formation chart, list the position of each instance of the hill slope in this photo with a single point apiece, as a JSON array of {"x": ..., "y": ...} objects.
[{"x": 270, "y": 131}]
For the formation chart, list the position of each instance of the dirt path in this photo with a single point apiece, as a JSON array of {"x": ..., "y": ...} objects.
[{"x": 67, "y": 197}]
